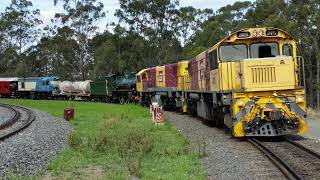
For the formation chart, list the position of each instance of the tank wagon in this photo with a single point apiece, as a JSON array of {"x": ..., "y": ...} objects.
[
  {"x": 251, "y": 81},
  {"x": 76, "y": 89}
]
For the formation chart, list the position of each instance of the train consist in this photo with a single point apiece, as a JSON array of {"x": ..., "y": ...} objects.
[
  {"x": 113, "y": 88},
  {"x": 251, "y": 81}
]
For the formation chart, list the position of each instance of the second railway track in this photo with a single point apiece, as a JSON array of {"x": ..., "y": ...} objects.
[
  {"x": 293, "y": 159},
  {"x": 22, "y": 118}
]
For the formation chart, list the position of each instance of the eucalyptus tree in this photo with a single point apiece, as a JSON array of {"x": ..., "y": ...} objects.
[
  {"x": 20, "y": 28},
  {"x": 224, "y": 21},
  {"x": 155, "y": 20},
  {"x": 82, "y": 17}
]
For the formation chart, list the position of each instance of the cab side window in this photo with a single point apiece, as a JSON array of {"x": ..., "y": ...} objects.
[
  {"x": 139, "y": 78},
  {"x": 213, "y": 60},
  {"x": 287, "y": 50}
]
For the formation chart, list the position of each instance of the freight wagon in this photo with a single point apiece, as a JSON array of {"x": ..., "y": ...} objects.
[{"x": 74, "y": 90}]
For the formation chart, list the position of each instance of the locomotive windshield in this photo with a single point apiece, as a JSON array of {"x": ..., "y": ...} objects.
[
  {"x": 233, "y": 52},
  {"x": 262, "y": 50}
]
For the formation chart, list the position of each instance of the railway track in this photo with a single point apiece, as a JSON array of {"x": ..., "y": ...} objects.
[
  {"x": 293, "y": 160},
  {"x": 22, "y": 118}
]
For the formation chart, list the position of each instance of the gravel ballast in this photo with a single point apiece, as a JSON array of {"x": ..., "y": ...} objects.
[
  {"x": 29, "y": 152},
  {"x": 225, "y": 157},
  {"x": 5, "y": 114}
]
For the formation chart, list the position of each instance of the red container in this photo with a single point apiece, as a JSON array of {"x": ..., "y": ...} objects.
[{"x": 68, "y": 114}]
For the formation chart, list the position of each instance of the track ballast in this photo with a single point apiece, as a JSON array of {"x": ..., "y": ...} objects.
[
  {"x": 293, "y": 160},
  {"x": 22, "y": 118}
]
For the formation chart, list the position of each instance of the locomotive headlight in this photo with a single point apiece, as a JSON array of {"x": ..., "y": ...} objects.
[
  {"x": 240, "y": 103},
  {"x": 299, "y": 99}
]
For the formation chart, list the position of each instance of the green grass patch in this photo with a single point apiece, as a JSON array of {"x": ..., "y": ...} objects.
[{"x": 120, "y": 141}]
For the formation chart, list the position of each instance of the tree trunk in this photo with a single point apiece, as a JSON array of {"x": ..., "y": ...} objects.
[
  {"x": 309, "y": 83},
  {"x": 318, "y": 81}
]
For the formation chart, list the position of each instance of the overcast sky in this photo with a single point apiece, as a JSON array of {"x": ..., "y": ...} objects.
[{"x": 48, "y": 9}]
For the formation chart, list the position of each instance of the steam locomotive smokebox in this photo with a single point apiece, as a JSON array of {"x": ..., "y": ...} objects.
[{"x": 68, "y": 114}]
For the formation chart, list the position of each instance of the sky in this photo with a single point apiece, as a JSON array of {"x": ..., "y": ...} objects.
[{"x": 48, "y": 9}]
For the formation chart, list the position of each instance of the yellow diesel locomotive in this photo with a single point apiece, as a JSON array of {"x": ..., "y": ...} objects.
[{"x": 251, "y": 81}]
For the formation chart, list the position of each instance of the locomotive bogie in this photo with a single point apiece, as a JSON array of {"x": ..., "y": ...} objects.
[{"x": 269, "y": 113}]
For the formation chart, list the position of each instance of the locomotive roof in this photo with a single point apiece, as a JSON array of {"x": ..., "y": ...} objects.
[
  {"x": 141, "y": 72},
  {"x": 40, "y": 78},
  {"x": 8, "y": 79},
  {"x": 254, "y": 33}
]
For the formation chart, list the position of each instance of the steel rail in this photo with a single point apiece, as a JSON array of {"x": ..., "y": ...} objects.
[
  {"x": 25, "y": 124},
  {"x": 276, "y": 160},
  {"x": 307, "y": 150},
  {"x": 13, "y": 119}
]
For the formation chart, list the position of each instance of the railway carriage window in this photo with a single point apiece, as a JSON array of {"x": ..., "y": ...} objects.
[
  {"x": 45, "y": 83},
  {"x": 233, "y": 52},
  {"x": 22, "y": 85},
  {"x": 287, "y": 50},
  {"x": 262, "y": 50},
  {"x": 213, "y": 60},
  {"x": 144, "y": 77}
]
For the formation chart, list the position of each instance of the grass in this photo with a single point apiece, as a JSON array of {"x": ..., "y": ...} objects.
[{"x": 118, "y": 142}]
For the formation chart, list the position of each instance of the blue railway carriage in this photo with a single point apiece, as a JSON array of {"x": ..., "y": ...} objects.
[{"x": 38, "y": 87}]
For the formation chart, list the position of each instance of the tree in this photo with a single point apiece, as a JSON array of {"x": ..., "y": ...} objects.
[
  {"x": 20, "y": 28},
  {"x": 226, "y": 20},
  {"x": 155, "y": 20},
  {"x": 81, "y": 16}
]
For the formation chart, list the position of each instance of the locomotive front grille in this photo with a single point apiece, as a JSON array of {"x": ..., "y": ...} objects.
[{"x": 263, "y": 75}]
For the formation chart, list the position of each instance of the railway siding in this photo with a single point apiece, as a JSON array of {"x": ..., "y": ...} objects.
[{"x": 224, "y": 157}]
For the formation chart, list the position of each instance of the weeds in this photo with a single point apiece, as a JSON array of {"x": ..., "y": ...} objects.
[{"x": 75, "y": 141}]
